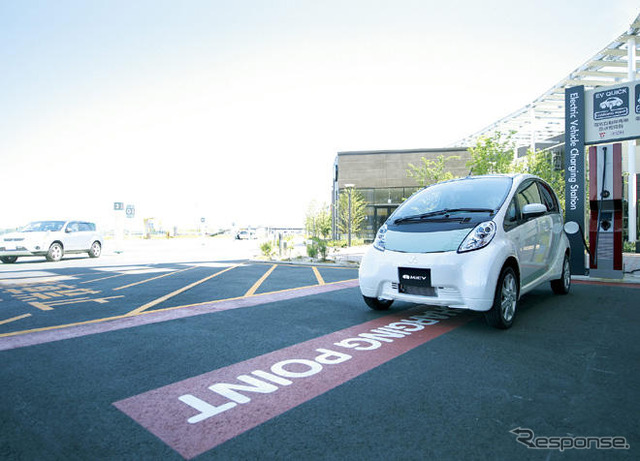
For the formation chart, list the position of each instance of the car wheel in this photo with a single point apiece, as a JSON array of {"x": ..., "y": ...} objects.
[
  {"x": 563, "y": 284},
  {"x": 96, "y": 250},
  {"x": 378, "y": 304},
  {"x": 8, "y": 259},
  {"x": 55, "y": 252},
  {"x": 505, "y": 301}
]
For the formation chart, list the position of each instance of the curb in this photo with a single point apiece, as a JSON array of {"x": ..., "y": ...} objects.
[
  {"x": 623, "y": 281},
  {"x": 354, "y": 265}
]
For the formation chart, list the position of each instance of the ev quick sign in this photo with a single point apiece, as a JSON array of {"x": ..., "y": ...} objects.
[{"x": 612, "y": 113}]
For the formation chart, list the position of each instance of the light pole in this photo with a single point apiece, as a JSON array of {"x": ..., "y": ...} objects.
[{"x": 349, "y": 188}]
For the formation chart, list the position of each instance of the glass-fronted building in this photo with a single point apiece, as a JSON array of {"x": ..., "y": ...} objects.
[{"x": 381, "y": 177}]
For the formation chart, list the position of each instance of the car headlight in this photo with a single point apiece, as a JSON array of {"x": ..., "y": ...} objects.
[
  {"x": 380, "y": 241},
  {"x": 479, "y": 237}
]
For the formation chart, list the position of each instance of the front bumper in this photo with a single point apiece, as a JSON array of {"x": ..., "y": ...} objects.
[
  {"x": 21, "y": 252},
  {"x": 461, "y": 280},
  {"x": 21, "y": 248}
]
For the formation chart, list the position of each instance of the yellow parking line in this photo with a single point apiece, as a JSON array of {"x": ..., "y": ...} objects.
[
  {"x": 166, "y": 309},
  {"x": 41, "y": 306},
  {"x": 318, "y": 276},
  {"x": 177, "y": 292},
  {"x": 153, "y": 278},
  {"x": 13, "y": 319},
  {"x": 260, "y": 281}
]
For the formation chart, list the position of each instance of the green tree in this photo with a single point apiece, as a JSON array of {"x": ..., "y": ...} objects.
[
  {"x": 493, "y": 154},
  {"x": 323, "y": 222},
  {"x": 496, "y": 155},
  {"x": 540, "y": 163},
  {"x": 318, "y": 220},
  {"x": 431, "y": 171},
  {"x": 358, "y": 211}
]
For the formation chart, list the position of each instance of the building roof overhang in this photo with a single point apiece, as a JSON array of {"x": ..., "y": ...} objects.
[{"x": 543, "y": 119}]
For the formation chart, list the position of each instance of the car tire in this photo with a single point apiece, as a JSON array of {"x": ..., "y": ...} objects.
[
  {"x": 55, "y": 252},
  {"x": 8, "y": 259},
  {"x": 505, "y": 301},
  {"x": 378, "y": 304},
  {"x": 562, "y": 285},
  {"x": 96, "y": 250}
]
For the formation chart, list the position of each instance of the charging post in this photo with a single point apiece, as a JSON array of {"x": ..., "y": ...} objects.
[
  {"x": 605, "y": 205},
  {"x": 598, "y": 118}
]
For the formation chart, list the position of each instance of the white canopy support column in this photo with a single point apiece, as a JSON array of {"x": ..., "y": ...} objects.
[
  {"x": 532, "y": 116},
  {"x": 631, "y": 150}
]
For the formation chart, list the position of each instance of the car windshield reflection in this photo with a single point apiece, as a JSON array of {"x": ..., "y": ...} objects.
[
  {"x": 43, "y": 226},
  {"x": 474, "y": 194}
]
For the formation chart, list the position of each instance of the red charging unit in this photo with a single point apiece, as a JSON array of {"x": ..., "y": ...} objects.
[{"x": 605, "y": 204}]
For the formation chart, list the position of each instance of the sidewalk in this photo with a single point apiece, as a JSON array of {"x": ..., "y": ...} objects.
[
  {"x": 350, "y": 255},
  {"x": 631, "y": 267}
]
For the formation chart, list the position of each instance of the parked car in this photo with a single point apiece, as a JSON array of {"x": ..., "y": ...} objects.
[
  {"x": 475, "y": 243},
  {"x": 246, "y": 234},
  {"x": 51, "y": 239}
]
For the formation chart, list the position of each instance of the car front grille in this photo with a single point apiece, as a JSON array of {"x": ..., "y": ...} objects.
[{"x": 419, "y": 291}]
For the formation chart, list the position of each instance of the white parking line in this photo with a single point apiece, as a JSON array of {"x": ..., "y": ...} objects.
[
  {"x": 25, "y": 274},
  {"x": 32, "y": 280}
]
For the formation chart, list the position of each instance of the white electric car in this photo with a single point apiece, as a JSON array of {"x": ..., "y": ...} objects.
[{"x": 475, "y": 243}]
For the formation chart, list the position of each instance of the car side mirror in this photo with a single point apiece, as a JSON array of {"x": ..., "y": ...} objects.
[
  {"x": 533, "y": 210},
  {"x": 571, "y": 227}
]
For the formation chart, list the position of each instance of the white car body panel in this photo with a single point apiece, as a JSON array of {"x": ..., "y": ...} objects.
[{"x": 18, "y": 244}]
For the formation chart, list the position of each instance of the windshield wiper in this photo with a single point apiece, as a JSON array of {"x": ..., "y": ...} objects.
[{"x": 445, "y": 212}]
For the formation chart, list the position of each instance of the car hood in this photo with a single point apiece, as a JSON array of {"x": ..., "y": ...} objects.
[
  {"x": 18, "y": 236},
  {"x": 432, "y": 235}
]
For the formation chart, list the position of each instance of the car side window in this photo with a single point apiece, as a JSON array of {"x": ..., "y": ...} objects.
[
  {"x": 84, "y": 227},
  {"x": 512, "y": 216},
  {"x": 528, "y": 194},
  {"x": 549, "y": 198},
  {"x": 72, "y": 227}
]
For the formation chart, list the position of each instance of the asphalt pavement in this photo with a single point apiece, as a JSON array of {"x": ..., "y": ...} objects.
[{"x": 263, "y": 360}]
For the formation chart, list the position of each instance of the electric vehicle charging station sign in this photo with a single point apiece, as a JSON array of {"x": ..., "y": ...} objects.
[{"x": 612, "y": 113}]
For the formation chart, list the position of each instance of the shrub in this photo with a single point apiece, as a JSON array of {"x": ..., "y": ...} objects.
[
  {"x": 267, "y": 249},
  {"x": 312, "y": 250},
  {"x": 321, "y": 244}
]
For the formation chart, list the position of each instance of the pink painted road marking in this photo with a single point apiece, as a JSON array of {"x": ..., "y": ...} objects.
[
  {"x": 620, "y": 284},
  {"x": 199, "y": 413},
  {"x": 59, "y": 333}
]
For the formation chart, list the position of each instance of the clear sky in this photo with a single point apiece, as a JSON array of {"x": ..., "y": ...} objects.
[{"x": 234, "y": 110}]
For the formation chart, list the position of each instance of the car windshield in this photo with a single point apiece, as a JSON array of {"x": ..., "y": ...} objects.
[
  {"x": 465, "y": 195},
  {"x": 43, "y": 226}
]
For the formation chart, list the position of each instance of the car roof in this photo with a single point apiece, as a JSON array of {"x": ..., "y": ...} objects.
[{"x": 513, "y": 176}]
